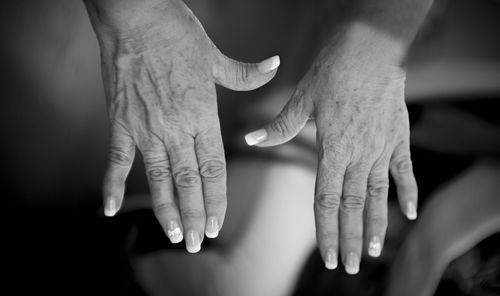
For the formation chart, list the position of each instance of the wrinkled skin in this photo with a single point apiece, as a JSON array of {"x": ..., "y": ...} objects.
[
  {"x": 357, "y": 102},
  {"x": 159, "y": 74}
]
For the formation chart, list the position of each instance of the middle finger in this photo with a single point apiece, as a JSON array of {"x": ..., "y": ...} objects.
[
  {"x": 351, "y": 216},
  {"x": 188, "y": 185}
]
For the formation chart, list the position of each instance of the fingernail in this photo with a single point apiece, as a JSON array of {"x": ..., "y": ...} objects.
[
  {"x": 352, "y": 263},
  {"x": 331, "y": 259},
  {"x": 193, "y": 243},
  {"x": 411, "y": 211},
  {"x": 110, "y": 208},
  {"x": 174, "y": 232},
  {"x": 256, "y": 137},
  {"x": 269, "y": 65},
  {"x": 374, "y": 247},
  {"x": 212, "y": 229}
]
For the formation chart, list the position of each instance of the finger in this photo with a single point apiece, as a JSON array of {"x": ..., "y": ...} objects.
[
  {"x": 162, "y": 189},
  {"x": 331, "y": 168},
  {"x": 351, "y": 216},
  {"x": 188, "y": 186},
  {"x": 210, "y": 155},
  {"x": 120, "y": 159},
  {"x": 402, "y": 172},
  {"x": 285, "y": 126},
  {"x": 376, "y": 206},
  {"x": 243, "y": 76}
]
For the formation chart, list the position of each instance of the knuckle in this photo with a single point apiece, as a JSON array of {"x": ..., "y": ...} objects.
[
  {"x": 351, "y": 235},
  {"x": 158, "y": 174},
  {"x": 378, "y": 189},
  {"x": 403, "y": 165},
  {"x": 241, "y": 73},
  {"x": 212, "y": 170},
  {"x": 353, "y": 202},
  {"x": 190, "y": 213},
  {"x": 325, "y": 234},
  {"x": 215, "y": 201},
  {"x": 328, "y": 201},
  {"x": 157, "y": 167},
  {"x": 163, "y": 207},
  {"x": 378, "y": 221},
  {"x": 119, "y": 156},
  {"x": 281, "y": 125},
  {"x": 187, "y": 177}
]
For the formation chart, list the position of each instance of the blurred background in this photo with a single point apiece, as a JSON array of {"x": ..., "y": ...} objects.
[{"x": 54, "y": 148}]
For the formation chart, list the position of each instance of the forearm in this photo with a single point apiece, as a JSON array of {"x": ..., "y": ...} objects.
[
  {"x": 384, "y": 28},
  {"x": 400, "y": 19}
]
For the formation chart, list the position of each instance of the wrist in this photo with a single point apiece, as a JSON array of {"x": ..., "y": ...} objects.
[
  {"x": 124, "y": 14},
  {"x": 135, "y": 25},
  {"x": 369, "y": 46}
]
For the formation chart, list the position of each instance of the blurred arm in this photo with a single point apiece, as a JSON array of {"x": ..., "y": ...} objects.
[
  {"x": 458, "y": 217},
  {"x": 388, "y": 26}
]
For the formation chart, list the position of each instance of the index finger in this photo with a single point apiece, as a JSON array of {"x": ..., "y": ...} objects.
[
  {"x": 212, "y": 164},
  {"x": 120, "y": 158},
  {"x": 328, "y": 191}
]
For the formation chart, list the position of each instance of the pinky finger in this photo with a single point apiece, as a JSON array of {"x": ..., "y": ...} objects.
[
  {"x": 402, "y": 172},
  {"x": 120, "y": 159}
]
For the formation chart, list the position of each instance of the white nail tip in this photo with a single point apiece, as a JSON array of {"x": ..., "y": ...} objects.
[
  {"x": 110, "y": 208},
  {"x": 269, "y": 65},
  {"x": 374, "y": 247},
  {"x": 193, "y": 249},
  {"x": 212, "y": 234},
  {"x": 212, "y": 229},
  {"x": 352, "y": 266},
  {"x": 175, "y": 235},
  {"x": 256, "y": 137},
  {"x": 193, "y": 243},
  {"x": 411, "y": 211},
  {"x": 331, "y": 259}
]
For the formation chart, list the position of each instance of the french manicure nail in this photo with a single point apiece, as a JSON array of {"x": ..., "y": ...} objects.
[
  {"x": 411, "y": 211},
  {"x": 331, "y": 259},
  {"x": 352, "y": 263},
  {"x": 174, "y": 232},
  {"x": 110, "y": 208},
  {"x": 269, "y": 65},
  {"x": 374, "y": 247},
  {"x": 256, "y": 137},
  {"x": 193, "y": 243},
  {"x": 212, "y": 229}
]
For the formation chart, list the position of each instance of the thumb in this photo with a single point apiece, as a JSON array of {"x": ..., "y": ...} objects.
[
  {"x": 284, "y": 127},
  {"x": 243, "y": 76}
]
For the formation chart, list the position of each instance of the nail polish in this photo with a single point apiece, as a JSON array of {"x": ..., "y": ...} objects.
[
  {"x": 374, "y": 247},
  {"x": 212, "y": 228},
  {"x": 331, "y": 259},
  {"x": 352, "y": 263},
  {"x": 256, "y": 137},
  {"x": 411, "y": 211},
  {"x": 174, "y": 232},
  {"x": 110, "y": 208},
  {"x": 269, "y": 64},
  {"x": 193, "y": 243}
]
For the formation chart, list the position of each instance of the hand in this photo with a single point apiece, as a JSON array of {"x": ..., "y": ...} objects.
[
  {"x": 357, "y": 101},
  {"x": 159, "y": 69}
]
